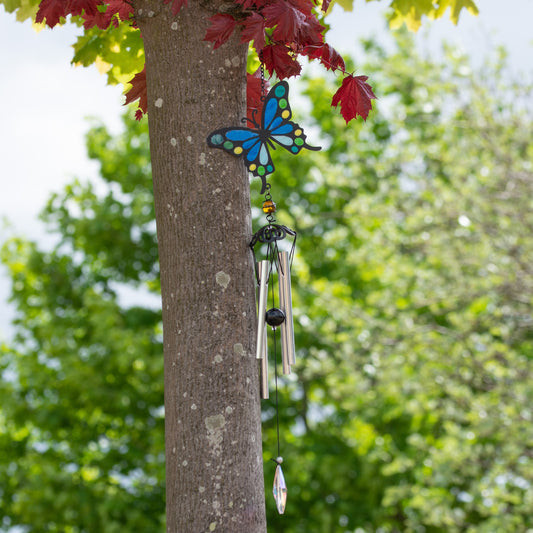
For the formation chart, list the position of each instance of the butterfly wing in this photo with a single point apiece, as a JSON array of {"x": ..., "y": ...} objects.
[
  {"x": 245, "y": 142},
  {"x": 253, "y": 144},
  {"x": 276, "y": 120}
]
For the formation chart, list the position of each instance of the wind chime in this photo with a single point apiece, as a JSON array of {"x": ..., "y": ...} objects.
[{"x": 253, "y": 145}]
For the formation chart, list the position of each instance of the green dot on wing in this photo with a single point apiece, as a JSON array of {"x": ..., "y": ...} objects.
[{"x": 280, "y": 91}]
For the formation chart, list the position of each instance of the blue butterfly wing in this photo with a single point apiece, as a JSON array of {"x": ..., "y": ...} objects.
[
  {"x": 276, "y": 120},
  {"x": 232, "y": 140},
  {"x": 276, "y": 108},
  {"x": 253, "y": 144},
  {"x": 247, "y": 143}
]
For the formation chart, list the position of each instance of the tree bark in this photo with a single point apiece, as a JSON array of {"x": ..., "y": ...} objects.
[{"x": 214, "y": 466}]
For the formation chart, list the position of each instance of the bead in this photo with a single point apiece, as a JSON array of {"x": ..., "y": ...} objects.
[
  {"x": 275, "y": 317},
  {"x": 269, "y": 206}
]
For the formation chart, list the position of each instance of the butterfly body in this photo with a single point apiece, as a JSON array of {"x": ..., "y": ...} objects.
[{"x": 253, "y": 143}]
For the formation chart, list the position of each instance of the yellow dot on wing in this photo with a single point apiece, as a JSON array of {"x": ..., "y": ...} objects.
[
  {"x": 252, "y": 167},
  {"x": 237, "y": 150},
  {"x": 297, "y": 133},
  {"x": 285, "y": 114}
]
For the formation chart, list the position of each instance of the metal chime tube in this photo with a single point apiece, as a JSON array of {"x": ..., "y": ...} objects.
[
  {"x": 263, "y": 354},
  {"x": 288, "y": 352},
  {"x": 261, "y": 310},
  {"x": 264, "y": 369}
]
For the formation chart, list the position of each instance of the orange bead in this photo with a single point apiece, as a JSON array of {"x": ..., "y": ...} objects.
[{"x": 269, "y": 206}]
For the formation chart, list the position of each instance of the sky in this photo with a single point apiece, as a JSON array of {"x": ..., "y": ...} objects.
[{"x": 46, "y": 101}]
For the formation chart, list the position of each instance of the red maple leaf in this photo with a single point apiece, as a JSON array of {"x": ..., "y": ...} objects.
[
  {"x": 221, "y": 28},
  {"x": 253, "y": 29},
  {"x": 312, "y": 32},
  {"x": 89, "y": 7},
  {"x": 278, "y": 59},
  {"x": 138, "y": 91},
  {"x": 176, "y": 5},
  {"x": 286, "y": 20},
  {"x": 305, "y": 6},
  {"x": 327, "y": 55},
  {"x": 52, "y": 11},
  {"x": 122, "y": 9},
  {"x": 355, "y": 97},
  {"x": 100, "y": 20}
]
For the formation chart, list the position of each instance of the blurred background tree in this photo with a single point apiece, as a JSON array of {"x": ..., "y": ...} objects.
[{"x": 413, "y": 288}]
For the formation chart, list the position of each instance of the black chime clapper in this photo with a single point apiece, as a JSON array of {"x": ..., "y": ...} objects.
[{"x": 275, "y": 317}]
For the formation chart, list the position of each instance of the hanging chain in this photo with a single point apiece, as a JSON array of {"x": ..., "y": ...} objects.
[
  {"x": 263, "y": 86},
  {"x": 269, "y": 207}
]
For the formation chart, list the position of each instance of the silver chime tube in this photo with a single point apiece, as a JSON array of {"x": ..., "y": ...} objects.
[
  {"x": 263, "y": 353},
  {"x": 261, "y": 310},
  {"x": 264, "y": 368},
  {"x": 288, "y": 355}
]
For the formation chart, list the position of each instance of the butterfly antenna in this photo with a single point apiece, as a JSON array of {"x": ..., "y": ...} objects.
[
  {"x": 251, "y": 120},
  {"x": 314, "y": 148}
]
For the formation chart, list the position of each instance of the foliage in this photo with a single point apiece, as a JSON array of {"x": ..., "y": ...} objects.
[
  {"x": 277, "y": 30},
  {"x": 416, "y": 342},
  {"x": 82, "y": 428},
  {"x": 411, "y": 13},
  {"x": 413, "y": 301}
]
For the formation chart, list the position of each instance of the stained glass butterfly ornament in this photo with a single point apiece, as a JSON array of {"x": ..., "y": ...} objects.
[{"x": 253, "y": 144}]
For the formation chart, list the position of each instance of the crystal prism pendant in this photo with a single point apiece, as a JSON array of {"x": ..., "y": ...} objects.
[{"x": 280, "y": 490}]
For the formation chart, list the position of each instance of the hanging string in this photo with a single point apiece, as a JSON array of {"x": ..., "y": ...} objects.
[{"x": 276, "y": 377}]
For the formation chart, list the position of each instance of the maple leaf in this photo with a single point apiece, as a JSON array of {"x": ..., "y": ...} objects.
[
  {"x": 278, "y": 59},
  {"x": 54, "y": 10},
  {"x": 355, "y": 97},
  {"x": 221, "y": 28},
  {"x": 123, "y": 9},
  {"x": 100, "y": 20},
  {"x": 51, "y": 11},
  {"x": 176, "y": 5},
  {"x": 138, "y": 91},
  {"x": 325, "y": 5},
  {"x": 327, "y": 55},
  {"x": 311, "y": 32},
  {"x": 253, "y": 29},
  {"x": 305, "y": 6},
  {"x": 116, "y": 10},
  {"x": 89, "y": 7},
  {"x": 285, "y": 19}
]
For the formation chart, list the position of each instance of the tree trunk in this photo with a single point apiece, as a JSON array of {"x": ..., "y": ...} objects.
[{"x": 214, "y": 466}]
